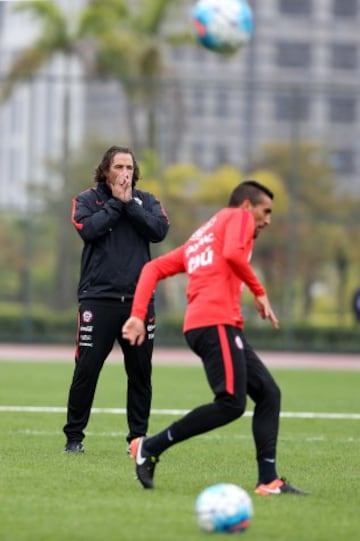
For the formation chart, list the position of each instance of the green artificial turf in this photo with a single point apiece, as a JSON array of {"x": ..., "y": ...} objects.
[{"x": 47, "y": 495}]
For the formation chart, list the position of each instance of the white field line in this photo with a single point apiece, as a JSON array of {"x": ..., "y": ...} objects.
[
  {"x": 176, "y": 412},
  {"x": 209, "y": 436}
]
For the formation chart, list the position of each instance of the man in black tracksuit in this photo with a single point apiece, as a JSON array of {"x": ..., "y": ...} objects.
[{"x": 117, "y": 222}]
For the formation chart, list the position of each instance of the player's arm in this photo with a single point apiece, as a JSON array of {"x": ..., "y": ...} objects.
[
  {"x": 239, "y": 234},
  {"x": 158, "y": 269},
  {"x": 263, "y": 306},
  {"x": 134, "y": 330}
]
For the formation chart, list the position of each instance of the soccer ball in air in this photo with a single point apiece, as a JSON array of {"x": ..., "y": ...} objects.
[
  {"x": 223, "y": 26},
  {"x": 224, "y": 508}
]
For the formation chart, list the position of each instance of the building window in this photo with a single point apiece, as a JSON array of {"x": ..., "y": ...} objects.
[
  {"x": 344, "y": 56},
  {"x": 198, "y": 54},
  {"x": 342, "y": 109},
  {"x": 295, "y": 7},
  {"x": 198, "y": 99},
  {"x": 291, "y": 107},
  {"x": 220, "y": 155},
  {"x": 343, "y": 161},
  {"x": 293, "y": 55},
  {"x": 178, "y": 53},
  {"x": 2, "y": 13},
  {"x": 345, "y": 8},
  {"x": 221, "y": 102},
  {"x": 16, "y": 115},
  {"x": 197, "y": 152}
]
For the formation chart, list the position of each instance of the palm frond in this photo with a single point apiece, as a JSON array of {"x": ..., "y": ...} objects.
[
  {"x": 185, "y": 37},
  {"x": 25, "y": 65},
  {"x": 54, "y": 36},
  {"x": 153, "y": 14},
  {"x": 47, "y": 13},
  {"x": 101, "y": 17}
]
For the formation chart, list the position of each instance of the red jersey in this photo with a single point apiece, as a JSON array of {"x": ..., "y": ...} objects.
[{"x": 216, "y": 261}]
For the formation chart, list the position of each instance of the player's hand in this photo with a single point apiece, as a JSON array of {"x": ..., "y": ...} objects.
[
  {"x": 134, "y": 331},
  {"x": 263, "y": 306}
]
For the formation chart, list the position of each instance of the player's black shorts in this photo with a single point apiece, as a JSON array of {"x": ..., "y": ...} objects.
[
  {"x": 231, "y": 364},
  {"x": 221, "y": 349}
]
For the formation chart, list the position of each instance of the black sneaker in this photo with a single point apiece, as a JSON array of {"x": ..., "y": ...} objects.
[
  {"x": 144, "y": 463},
  {"x": 279, "y": 486},
  {"x": 74, "y": 447}
]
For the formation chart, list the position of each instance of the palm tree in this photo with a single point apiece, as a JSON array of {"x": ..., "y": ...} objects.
[
  {"x": 112, "y": 39},
  {"x": 128, "y": 42},
  {"x": 57, "y": 36}
]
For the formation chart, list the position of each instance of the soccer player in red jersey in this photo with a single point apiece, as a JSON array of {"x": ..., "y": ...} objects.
[{"x": 216, "y": 259}]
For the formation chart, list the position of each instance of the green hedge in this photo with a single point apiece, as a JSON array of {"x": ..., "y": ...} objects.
[
  {"x": 42, "y": 325},
  {"x": 38, "y": 324},
  {"x": 303, "y": 338},
  {"x": 264, "y": 337}
]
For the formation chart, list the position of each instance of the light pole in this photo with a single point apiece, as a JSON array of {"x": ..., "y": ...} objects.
[{"x": 292, "y": 246}]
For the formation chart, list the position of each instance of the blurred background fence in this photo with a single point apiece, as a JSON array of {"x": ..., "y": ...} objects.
[{"x": 284, "y": 111}]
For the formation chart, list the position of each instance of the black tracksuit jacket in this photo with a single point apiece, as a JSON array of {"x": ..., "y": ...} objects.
[{"x": 116, "y": 239}]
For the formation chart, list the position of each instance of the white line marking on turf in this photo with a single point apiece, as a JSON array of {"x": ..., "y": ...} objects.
[
  {"x": 116, "y": 411},
  {"x": 212, "y": 436}
]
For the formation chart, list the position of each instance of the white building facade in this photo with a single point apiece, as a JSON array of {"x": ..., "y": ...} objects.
[
  {"x": 299, "y": 77},
  {"x": 33, "y": 118}
]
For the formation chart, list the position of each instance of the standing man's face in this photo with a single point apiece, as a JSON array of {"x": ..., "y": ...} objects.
[{"x": 121, "y": 169}]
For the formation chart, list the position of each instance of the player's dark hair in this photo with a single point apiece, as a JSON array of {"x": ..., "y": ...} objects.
[
  {"x": 249, "y": 190},
  {"x": 107, "y": 158}
]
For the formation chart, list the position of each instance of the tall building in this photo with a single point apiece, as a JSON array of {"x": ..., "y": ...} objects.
[
  {"x": 34, "y": 120},
  {"x": 298, "y": 79}
]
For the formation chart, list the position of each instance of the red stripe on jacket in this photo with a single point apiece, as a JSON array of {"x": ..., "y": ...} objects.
[{"x": 73, "y": 210}]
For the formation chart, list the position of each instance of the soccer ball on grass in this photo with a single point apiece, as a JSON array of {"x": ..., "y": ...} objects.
[
  {"x": 224, "y": 507},
  {"x": 223, "y": 26}
]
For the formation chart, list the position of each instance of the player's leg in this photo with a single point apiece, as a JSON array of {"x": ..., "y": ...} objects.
[
  {"x": 224, "y": 364},
  {"x": 265, "y": 392},
  {"x": 95, "y": 339},
  {"x": 226, "y": 373}
]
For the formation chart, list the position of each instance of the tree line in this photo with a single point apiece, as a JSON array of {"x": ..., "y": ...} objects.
[{"x": 308, "y": 258}]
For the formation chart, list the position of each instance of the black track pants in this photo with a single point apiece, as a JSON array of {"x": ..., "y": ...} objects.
[{"x": 99, "y": 327}]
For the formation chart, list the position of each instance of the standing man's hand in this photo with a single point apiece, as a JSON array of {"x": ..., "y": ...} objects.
[{"x": 121, "y": 187}]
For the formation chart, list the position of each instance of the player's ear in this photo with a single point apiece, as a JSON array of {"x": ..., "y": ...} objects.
[{"x": 246, "y": 204}]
